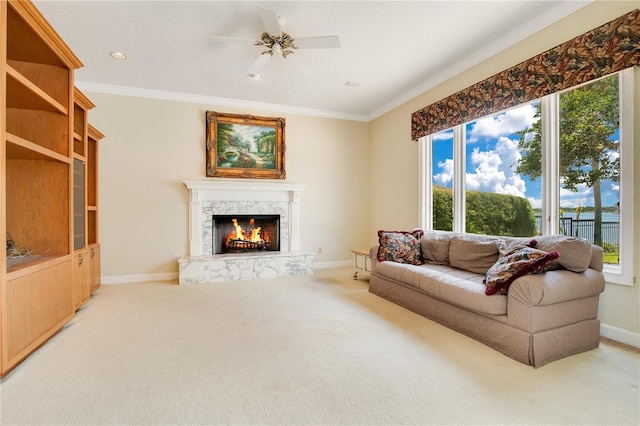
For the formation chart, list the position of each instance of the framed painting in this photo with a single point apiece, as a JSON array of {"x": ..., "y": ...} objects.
[{"x": 245, "y": 146}]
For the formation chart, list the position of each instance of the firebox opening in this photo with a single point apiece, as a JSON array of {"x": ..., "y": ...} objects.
[{"x": 245, "y": 233}]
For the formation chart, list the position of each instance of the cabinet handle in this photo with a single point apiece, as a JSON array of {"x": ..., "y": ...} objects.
[
  {"x": 93, "y": 252},
  {"x": 80, "y": 259}
]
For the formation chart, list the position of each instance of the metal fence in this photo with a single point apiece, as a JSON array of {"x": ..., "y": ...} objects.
[{"x": 585, "y": 228}]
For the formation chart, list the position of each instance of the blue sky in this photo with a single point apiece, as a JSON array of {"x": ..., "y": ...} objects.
[{"x": 492, "y": 150}]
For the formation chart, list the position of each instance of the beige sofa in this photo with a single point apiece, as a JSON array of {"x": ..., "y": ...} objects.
[{"x": 541, "y": 318}]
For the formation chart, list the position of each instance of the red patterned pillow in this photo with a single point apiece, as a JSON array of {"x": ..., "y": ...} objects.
[
  {"x": 526, "y": 260},
  {"x": 400, "y": 246}
]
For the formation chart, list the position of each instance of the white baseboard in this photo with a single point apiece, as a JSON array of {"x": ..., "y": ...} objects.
[
  {"x": 125, "y": 279},
  {"x": 620, "y": 335}
]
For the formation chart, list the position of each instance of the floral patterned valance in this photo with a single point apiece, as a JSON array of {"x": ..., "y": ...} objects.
[{"x": 599, "y": 52}]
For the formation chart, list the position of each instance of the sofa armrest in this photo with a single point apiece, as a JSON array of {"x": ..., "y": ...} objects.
[{"x": 556, "y": 286}]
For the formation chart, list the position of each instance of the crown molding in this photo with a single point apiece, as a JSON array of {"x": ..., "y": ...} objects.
[{"x": 210, "y": 100}]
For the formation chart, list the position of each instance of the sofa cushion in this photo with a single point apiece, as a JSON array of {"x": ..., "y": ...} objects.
[
  {"x": 473, "y": 253},
  {"x": 519, "y": 262},
  {"x": 455, "y": 286},
  {"x": 400, "y": 246},
  {"x": 575, "y": 253},
  {"x": 435, "y": 247}
]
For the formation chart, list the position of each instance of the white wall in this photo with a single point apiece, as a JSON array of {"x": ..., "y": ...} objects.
[
  {"x": 152, "y": 145},
  {"x": 394, "y": 164}
]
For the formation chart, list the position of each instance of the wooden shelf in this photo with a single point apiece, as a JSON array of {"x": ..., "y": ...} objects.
[
  {"x": 23, "y": 94},
  {"x": 22, "y": 149}
]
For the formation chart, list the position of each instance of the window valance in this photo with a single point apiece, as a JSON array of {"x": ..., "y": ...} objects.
[{"x": 607, "y": 49}]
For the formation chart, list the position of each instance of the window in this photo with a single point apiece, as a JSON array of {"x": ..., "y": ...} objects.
[
  {"x": 560, "y": 165},
  {"x": 442, "y": 195},
  {"x": 589, "y": 161},
  {"x": 498, "y": 199}
]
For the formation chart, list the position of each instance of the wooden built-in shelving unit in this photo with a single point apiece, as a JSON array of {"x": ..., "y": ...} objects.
[{"x": 46, "y": 156}]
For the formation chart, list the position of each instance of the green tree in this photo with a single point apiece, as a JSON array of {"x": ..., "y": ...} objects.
[
  {"x": 588, "y": 118},
  {"x": 486, "y": 213}
]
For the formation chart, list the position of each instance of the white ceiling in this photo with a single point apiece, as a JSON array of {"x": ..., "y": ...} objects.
[{"x": 395, "y": 50}]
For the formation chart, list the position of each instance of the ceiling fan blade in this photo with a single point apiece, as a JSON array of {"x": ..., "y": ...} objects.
[
  {"x": 270, "y": 21},
  {"x": 223, "y": 39},
  {"x": 257, "y": 64},
  {"x": 322, "y": 42}
]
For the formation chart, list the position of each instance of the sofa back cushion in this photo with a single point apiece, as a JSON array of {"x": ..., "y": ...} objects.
[
  {"x": 473, "y": 253},
  {"x": 435, "y": 247},
  {"x": 575, "y": 253}
]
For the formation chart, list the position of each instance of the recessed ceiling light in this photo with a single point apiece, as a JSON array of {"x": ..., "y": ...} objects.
[
  {"x": 352, "y": 84},
  {"x": 255, "y": 76},
  {"x": 118, "y": 55}
]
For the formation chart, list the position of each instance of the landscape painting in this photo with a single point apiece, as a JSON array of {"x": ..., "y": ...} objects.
[{"x": 245, "y": 146}]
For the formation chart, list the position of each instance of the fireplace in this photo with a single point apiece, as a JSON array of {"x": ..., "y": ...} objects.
[
  {"x": 243, "y": 201},
  {"x": 245, "y": 233}
]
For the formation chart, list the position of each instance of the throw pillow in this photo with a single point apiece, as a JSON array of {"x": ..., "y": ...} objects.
[
  {"x": 508, "y": 245},
  {"x": 400, "y": 246},
  {"x": 526, "y": 260}
]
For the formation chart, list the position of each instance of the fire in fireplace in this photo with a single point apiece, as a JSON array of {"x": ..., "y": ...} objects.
[{"x": 245, "y": 233}]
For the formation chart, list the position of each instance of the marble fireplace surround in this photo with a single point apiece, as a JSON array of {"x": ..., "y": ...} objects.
[{"x": 207, "y": 198}]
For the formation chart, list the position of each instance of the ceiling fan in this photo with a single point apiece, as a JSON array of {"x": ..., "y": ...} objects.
[{"x": 277, "y": 41}]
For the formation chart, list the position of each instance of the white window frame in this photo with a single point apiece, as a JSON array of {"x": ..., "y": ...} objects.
[{"x": 621, "y": 273}]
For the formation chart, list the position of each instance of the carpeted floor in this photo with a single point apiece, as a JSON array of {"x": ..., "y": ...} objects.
[{"x": 297, "y": 350}]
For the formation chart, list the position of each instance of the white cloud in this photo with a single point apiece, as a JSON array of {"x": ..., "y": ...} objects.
[
  {"x": 443, "y": 136},
  {"x": 502, "y": 124},
  {"x": 446, "y": 175},
  {"x": 493, "y": 172},
  {"x": 583, "y": 197},
  {"x": 536, "y": 203}
]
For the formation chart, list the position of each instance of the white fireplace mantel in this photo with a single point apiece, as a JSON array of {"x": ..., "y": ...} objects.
[{"x": 204, "y": 193}]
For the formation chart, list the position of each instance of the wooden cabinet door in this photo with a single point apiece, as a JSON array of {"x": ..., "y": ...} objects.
[
  {"x": 81, "y": 277},
  {"x": 94, "y": 253},
  {"x": 37, "y": 306}
]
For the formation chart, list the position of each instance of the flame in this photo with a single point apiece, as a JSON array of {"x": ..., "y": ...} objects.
[{"x": 240, "y": 234}]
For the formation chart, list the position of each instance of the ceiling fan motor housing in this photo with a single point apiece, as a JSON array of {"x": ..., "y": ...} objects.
[{"x": 283, "y": 43}]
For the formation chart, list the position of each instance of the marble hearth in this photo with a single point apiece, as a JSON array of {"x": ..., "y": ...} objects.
[{"x": 208, "y": 198}]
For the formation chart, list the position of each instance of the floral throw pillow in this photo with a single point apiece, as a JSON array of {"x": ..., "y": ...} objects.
[
  {"x": 400, "y": 246},
  {"x": 525, "y": 260}
]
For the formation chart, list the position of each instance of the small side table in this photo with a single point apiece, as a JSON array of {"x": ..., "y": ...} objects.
[{"x": 361, "y": 262}]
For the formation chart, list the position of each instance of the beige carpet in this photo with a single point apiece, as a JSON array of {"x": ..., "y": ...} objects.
[{"x": 297, "y": 350}]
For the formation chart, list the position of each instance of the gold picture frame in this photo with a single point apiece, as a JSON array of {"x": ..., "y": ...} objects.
[{"x": 245, "y": 146}]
